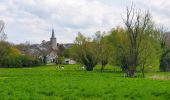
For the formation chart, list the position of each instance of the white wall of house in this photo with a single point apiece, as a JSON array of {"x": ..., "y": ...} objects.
[{"x": 69, "y": 61}]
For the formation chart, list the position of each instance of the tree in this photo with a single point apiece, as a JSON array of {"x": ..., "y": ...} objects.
[
  {"x": 103, "y": 48},
  {"x": 85, "y": 52},
  {"x": 60, "y": 54},
  {"x": 24, "y": 48},
  {"x": 4, "y": 51},
  {"x": 60, "y": 60},
  {"x": 67, "y": 52},
  {"x": 61, "y": 50},
  {"x": 150, "y": 50},
  {"x": 43, "y": 51},
  {"x": 137, "y": 44},
  {"x": 29, "y": 52},
  {"x": 139, "y": 27},
  {"x": 119, "y": 47},
  {"x": 10, "y": 56},
  {"x": 165, "y": 57}
]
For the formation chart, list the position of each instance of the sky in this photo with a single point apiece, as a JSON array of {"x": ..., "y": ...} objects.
[{"x": 33, "y": 20}]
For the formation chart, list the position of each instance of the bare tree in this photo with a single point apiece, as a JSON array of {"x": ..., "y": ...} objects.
[
  {"x": 137, "y": 23},
  {"x": 3, "y": 36}
]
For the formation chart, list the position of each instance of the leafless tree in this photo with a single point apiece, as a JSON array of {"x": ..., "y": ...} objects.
[
  {"x": 136, "y": 23},
  {"x": 3, "y": 36}
]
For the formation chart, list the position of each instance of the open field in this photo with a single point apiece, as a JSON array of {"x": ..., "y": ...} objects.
[{"x": 46, "y": 82}]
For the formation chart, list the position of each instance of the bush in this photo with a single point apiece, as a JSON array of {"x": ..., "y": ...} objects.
[
  {"x": 59, "y": 60},
  {"x": 12, "y": 58},
  {"x": 165, "y": 63},
  {"x": 28, "y": 61},
  {"x": 20, "y": 61}
]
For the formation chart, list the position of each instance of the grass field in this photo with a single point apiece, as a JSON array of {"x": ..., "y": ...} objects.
[{"x": 48, "y": 83}]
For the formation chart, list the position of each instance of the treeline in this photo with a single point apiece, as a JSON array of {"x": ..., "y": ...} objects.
[
  {"x": 11, "y": 57},
  {"x": 139, "y": 44}
]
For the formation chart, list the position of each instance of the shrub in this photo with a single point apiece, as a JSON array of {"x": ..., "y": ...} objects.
[
  {"x": 12, "y": 58},
  {"x": 165, "y": 63}
]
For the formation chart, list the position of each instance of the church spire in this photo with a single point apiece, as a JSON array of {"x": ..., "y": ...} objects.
[
  {"x": 53, "y": 41},
  {"x": 53, "y": 36}
]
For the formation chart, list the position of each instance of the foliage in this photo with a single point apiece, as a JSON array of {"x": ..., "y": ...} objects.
[
  {"x": 165, "y": 57},
  {"x": 11, "y": 57},
  {"x": 24, "y": 48},
  {"x": 60, "y": 60},
  {"x": 148, "y": 52},
  {"x": 165, "y": 62},
  {"x": 85, "y": 51},
  {"x": 8, "y": 54},
  {"x": 61, "y": 54},
  {"x": 61, "y": 50},
  {"x": 4, "y": 50},
  {"x": 103, "y": 47},
  {"x": 29, "y": 61},
  {"x": 67, "y": 52},
  {"x": 136, "y": 45},
  {"x": 119, "y": 46}
]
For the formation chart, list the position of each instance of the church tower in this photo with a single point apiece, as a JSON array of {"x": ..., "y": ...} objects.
[{"x": 53, "y": 41}]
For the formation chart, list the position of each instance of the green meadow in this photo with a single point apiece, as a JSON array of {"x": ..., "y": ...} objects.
[{"x": 72, "y": 83}]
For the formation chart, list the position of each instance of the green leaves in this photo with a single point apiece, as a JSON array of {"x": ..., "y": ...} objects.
[{"x": 85, "y": 51}]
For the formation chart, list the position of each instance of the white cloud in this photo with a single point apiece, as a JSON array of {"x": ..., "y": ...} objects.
[{"x": 32, "y": 20}]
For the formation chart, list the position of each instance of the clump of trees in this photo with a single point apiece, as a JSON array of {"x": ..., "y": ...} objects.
[
  {"x": 103, "y": 48},
  {"x": 85, "y": 51},
  {"x": 11, "y": 56},
  {"x": 135, "y": 45},
  {"x": 91, "y": 51},
  {"x": 165, "y": 57},
  {"x": 140, "y": 40}
]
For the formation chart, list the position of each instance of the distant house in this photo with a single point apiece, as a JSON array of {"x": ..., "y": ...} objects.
[{"x": 69, "y": 61}]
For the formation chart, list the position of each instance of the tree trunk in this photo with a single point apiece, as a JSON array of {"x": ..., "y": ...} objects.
[
  {"x": 143, "y": 71},
  {"x": 131, "y": 71},
  {"x": 89, "y": 68},
  {"x": 102, "y": 68},
  {"x": 45, "y": 60}
]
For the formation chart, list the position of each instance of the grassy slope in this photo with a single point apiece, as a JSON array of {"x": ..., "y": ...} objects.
[{"x": 49, "y": 83}]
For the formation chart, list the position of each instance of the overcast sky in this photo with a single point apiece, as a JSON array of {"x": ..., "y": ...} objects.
[{"x": 33, "y": 20}]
